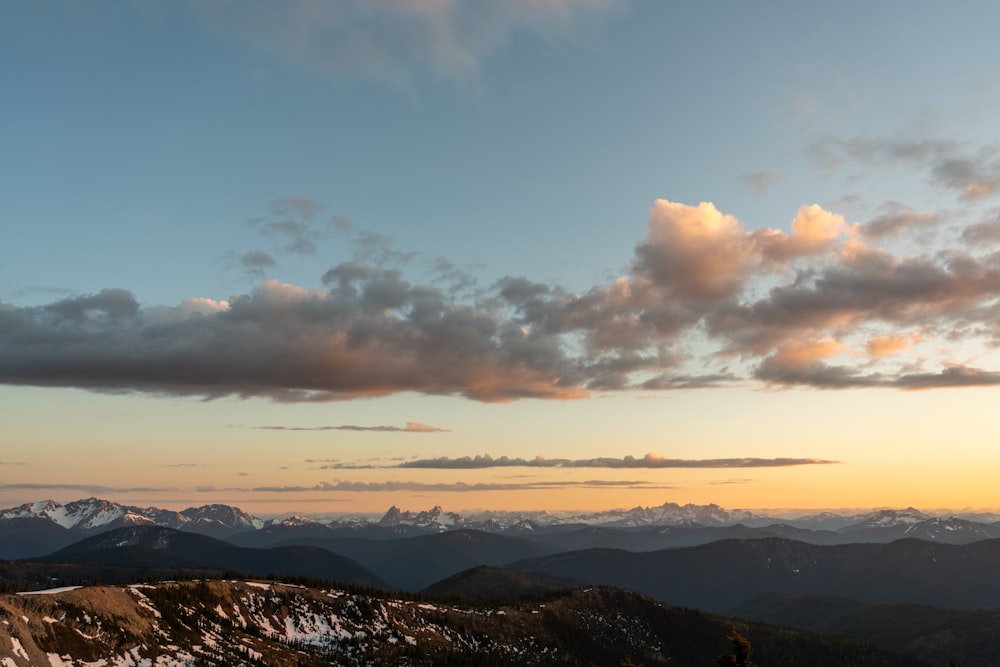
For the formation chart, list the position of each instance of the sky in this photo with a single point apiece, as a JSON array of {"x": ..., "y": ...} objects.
[{"x": 329, "y": 257}]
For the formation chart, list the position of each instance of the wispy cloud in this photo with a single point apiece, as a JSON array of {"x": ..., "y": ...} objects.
[
  {"x": 760, "y": 182},
  {"x": 292, "y": 221},
  {"x": 971, "y": 174},
  {"x": 897, "y": 219},
  {"x": 986, "y": 231},
  {"x": 85, "y": 488},
  {"x": 457, "y": 487},
  {"x": 392, "y": 42},
  {"x": 254, "y": 263},
  {"x": 338, "y": 486},
  {"x": 648, "y": 461},
  {"x": 411, "y": 427}
]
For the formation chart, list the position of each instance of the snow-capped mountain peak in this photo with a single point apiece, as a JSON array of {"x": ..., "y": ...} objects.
[
  {"x": 887, "y": 518},
  {"x": 95, "y": 514}
]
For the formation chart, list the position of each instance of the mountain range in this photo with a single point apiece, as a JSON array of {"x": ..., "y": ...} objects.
[
  {"x": 37, "y": 529},
  {"x": 903, "y": 580}
]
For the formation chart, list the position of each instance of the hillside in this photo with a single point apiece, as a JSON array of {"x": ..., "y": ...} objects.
[
  {"x": 159, "y": 548},
  {"x": 938, "y": 635},
  {"x": 247, "y": 623},
  {"x": 721, "y": 575}
]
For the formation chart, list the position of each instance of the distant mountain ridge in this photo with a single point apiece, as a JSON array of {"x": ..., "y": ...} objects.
[
  {"x": 36, "y": 529},
  {"x": 161, "y": 547},
  {"x": 93, "y": 514}
]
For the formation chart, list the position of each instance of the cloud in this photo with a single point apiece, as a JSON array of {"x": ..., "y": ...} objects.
[
  {"x": 290, "y": 220},
  {"x": 694, "y": 252},
  {"x": 882, "y": 346},
  {"x": 896, "y": 220},
  {"x": 368, "y": 336},
  {"x": 649, "y": 461},
  {"x": 391, "y": 41},
  {"x": 760, "y": 182},
  {"x": 951, "y": 377},
  {"x": 411, "y": 427},
  {"x": 85, "y": 488},
  {"x": 703, "y": 302},
  {"x": 256, "y": 262},
  {"x": 971, "y": 175},
  {"x": 459, "y": 487},
  {"x": 814, "y": 231},
  {"x": 985, "y": 232}
]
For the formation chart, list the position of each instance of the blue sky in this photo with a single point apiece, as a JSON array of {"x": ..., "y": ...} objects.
[{"x": 251, "y": 203}]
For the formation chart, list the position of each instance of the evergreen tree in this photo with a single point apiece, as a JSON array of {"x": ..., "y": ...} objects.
[{"x": 740, "y": 657}]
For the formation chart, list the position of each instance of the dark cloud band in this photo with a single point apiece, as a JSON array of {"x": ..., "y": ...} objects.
[
  {"x": 649, "y": 461},
  {"x": 411, "y": 427}
]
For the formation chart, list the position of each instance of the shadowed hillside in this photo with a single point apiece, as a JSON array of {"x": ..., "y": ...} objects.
[{"x": 237, "y": 623}]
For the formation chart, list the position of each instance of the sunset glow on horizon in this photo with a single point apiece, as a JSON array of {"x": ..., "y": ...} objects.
[{"x": 562, "y": 256}]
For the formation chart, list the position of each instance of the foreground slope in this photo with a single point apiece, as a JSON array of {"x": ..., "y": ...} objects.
[{"x": 244, "y": 623}]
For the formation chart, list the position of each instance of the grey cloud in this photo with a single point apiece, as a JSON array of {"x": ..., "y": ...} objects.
[
  {"x": 949, "y": 164},
  {"x": 109, "y": 305},
  {"x": 822, "y": 376},
  {"x": 817, "y": 375},
  {"x": 299, "y": 237},
  {"x": 972, "y": 177},
  {"x": 458, "y": 280},
  {"x": 873, "y": 288},
  {"x": 411, "y": 427},
  {"x": 663, "y": 382},
  {"x": 649, "y": 461},
  {"x": 950, "y": 377},
  {"x": 760, "y": 182},
  {"x": 390, "y": 41},
  {"x": 698, "y": 281},
  {"x": 457, "y": 486},
  {"x": 987, "y": 231},
  {"x": 341, "y": 223},
  {"x": 898, "y": 219},
  {"x": 86, "y": 488},
  {"x": 291, "y": 220},
  {"x": 297, "y": 206},
  {"x": 369, "y": 336},
  {"x": 831, "y": 151},
  {"x": 255, "y": 263},
  {"x": 377, "y": 249}
]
